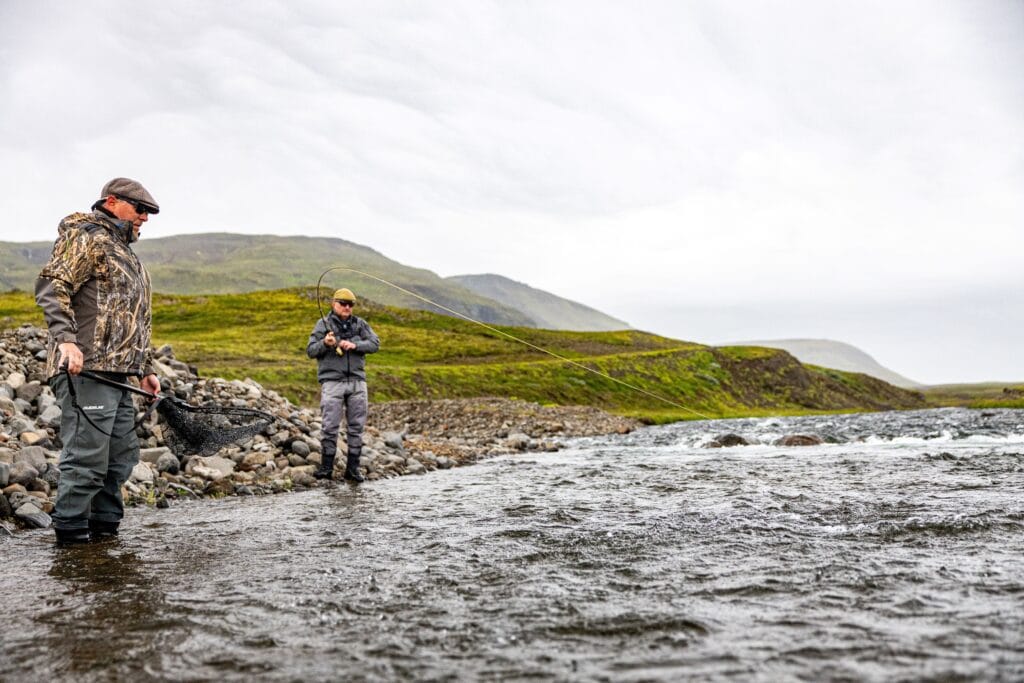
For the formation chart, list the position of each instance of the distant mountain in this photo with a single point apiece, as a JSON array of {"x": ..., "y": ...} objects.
[
  {"x": 227, "y": 263},
  {"x": 833, "y": 354},
  {"x": 547, "y": 310}
]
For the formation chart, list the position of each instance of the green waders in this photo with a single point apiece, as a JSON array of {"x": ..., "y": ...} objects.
[{"x": 93, "y": 465}]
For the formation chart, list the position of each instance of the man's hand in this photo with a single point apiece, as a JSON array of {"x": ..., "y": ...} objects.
[
  {"x": 346, "y": 345},
  {"x": 151, "y": 384},
  {"x": 72, "y": 356},
  {"x": 330, "y": 340}
]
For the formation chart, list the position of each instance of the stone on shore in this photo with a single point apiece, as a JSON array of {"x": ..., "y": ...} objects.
[{"x": 32, "y": 516}]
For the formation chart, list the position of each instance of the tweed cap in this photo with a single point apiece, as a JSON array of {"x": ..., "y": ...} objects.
[
  {"x": 130, "y": 189},
  {"x": 344, "y": 294}
]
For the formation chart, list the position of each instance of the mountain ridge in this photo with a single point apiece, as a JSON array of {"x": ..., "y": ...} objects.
[
  {"x": 834, "y": 354},
  {"x": 549, "y": 310}
]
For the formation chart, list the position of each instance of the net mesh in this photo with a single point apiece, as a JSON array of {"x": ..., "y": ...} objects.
[{"x": 204, "y": 430}]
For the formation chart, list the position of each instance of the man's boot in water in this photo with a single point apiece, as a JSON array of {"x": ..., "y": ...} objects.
[
  {"x": 326, "y": 469},
  {"x": 352, "y": 466},
  {"x": 102, "y": 530},
  {"x": 66, "y": 537}
]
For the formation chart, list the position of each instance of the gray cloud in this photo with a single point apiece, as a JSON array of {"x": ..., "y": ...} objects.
[{"x": 682, "y": 154}]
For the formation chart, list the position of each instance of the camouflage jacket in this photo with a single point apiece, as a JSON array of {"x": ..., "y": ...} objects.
[{"x": 95, "y": 292}]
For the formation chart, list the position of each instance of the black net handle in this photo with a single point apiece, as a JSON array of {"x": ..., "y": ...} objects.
[{"x": 220, "y": 410}]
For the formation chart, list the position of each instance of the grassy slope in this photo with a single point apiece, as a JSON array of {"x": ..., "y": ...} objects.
[
  {"x": 263, "y": 335},
  {"x": 224, "y": 263}
]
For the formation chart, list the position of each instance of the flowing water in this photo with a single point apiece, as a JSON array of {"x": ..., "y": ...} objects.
[{"x": 893, "y": 551}]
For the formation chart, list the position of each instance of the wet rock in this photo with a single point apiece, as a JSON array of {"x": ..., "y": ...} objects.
[
  {"x": 799, "y": 440},
  {"x": 50, "y": 416},
  {"x": 52, "y": 476},
  {"x": 142, "y": 474},
  {"x": 220, "y": 487},
  {"x": 153, "y": 455},
  {"x": 31, "y": 515},
  {"x": 22, "y": 473},
  {"x": 29, "y": 391},
  {"x": 5, "y": 474},
  {"x": 34, "y": 456},
  {"x": 31, "y": 438},
  {"x": 168, "y": 462},
  {"x": 254, "y": 461},
  {"x": 7, "y": 406},
  {"x": 5, "y": 507},
  {"x": 518, "y": 441}
]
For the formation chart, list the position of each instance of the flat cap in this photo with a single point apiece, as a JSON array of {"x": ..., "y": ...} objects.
[
  {"x": 127, "y": 188},
  {"x": 344, "y": 294}
]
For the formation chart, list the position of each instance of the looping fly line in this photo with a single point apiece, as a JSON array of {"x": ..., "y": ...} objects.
[{"x": 502, "y": 333}]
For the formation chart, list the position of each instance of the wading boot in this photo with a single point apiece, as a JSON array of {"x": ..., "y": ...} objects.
[
  {"x": 66, "y": 537},
  {"x": 352, "y": 466},
  {"x": 326, "y": 469},
  {"x": 102, "y": 530}
]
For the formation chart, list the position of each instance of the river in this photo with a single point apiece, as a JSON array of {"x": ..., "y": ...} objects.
[{"x": 895, "y": 550}]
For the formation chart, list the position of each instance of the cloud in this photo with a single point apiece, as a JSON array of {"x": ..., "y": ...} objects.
[{"x": 687, "y": 153}]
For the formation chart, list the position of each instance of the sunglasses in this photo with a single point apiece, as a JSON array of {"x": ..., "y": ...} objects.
[
  {"x": 139, "y": 207},
  {"x": 344, "y": 303}
]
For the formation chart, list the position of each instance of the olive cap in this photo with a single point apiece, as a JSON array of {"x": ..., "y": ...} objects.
[{"x": 344, "y": 294}]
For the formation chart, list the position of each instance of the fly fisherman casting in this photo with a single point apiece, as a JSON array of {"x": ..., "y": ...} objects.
[{"x": 339, "y": 343}]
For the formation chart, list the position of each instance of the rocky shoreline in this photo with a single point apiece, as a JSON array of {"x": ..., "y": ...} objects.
[{"x": 403, "y": 437}]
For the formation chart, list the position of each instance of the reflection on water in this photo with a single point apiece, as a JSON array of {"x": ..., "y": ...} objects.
[{"x": 891, "y": 551}]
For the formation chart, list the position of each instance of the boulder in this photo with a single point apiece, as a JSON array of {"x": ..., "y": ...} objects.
[
  {"x": 300, "y": 448},
  {"x": 800, "y": 440}
]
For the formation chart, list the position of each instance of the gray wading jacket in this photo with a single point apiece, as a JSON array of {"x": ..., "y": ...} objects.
[
  {"x": 95, "y": 292},
  {"x": 352, "y": 364}
]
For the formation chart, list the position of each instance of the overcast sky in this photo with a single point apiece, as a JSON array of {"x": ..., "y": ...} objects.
[{"x": 712, "y": 171}]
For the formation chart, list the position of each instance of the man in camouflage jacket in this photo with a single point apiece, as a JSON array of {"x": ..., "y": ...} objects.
[{"x": 95, "y": 296}]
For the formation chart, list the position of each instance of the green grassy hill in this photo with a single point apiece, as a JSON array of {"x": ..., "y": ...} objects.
[
  {"x": 223, "y": 263},
  {"x": 424, "y": 355}
]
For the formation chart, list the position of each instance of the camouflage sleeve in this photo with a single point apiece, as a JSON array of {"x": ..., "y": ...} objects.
[{"x": 71, "y": 264}]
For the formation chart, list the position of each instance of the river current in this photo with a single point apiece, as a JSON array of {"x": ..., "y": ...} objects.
[{"x": 893, "y": 551}]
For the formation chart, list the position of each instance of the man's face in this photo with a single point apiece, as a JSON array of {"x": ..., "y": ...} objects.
[
  {"x": 343, "y": 309},
  {"x": 127, "y": 211}
]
